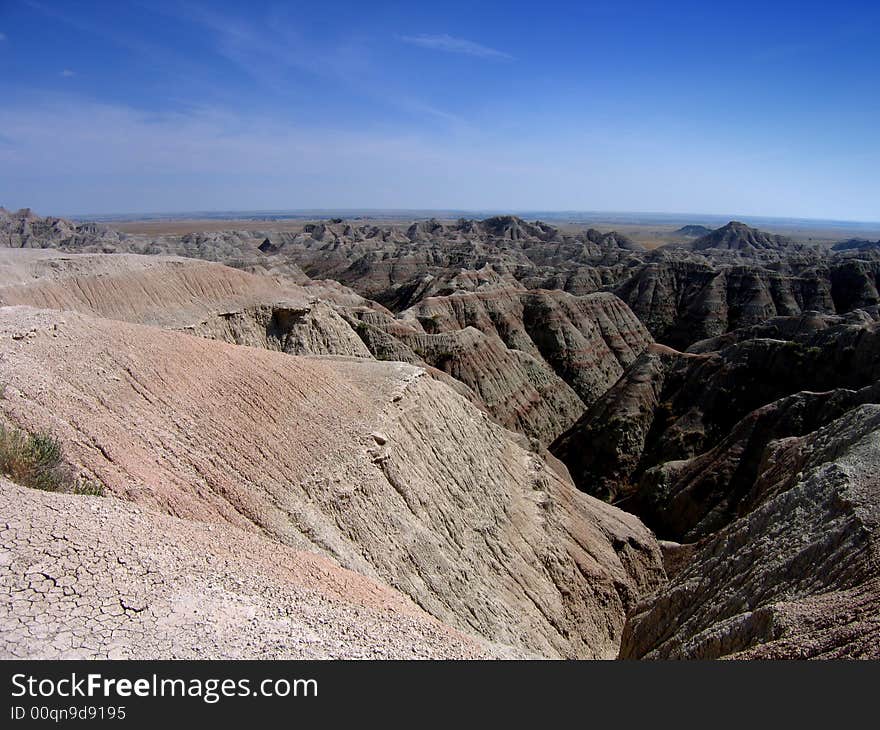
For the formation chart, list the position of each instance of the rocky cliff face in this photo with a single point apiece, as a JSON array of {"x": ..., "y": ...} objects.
[
  {"x": 683, "y": 299},
  {"x": 570, "y": 349},
  {"x": 25, "y": 229},
  {"x": 588, "y": 341},
  {"x": 756, "y": 451},
  {"x": 797, "y": 575},
  {"x": 533, "y": 360},
  {"x": 671, "y": 406},
  {"x": 521, "y": 391},
  {"x": 372, "y": 464}
]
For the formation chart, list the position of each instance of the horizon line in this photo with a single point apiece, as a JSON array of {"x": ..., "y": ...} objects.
[{"x": 389, "y": 212}]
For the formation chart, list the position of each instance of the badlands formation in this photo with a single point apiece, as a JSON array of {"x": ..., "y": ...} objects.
[{"x": 445, "y": 439}]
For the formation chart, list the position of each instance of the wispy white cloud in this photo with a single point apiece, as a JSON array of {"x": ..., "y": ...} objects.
[
  {"x": 67, "y": 154},
  {"x": 269, "y": 52},
  {"x": 125, "y": 40},
  {"x": 455, "y": 45},
  {"x": 272, "y": 52},
  {"x": 278, "y": 56},
  {"x": 67, "y": 73}
]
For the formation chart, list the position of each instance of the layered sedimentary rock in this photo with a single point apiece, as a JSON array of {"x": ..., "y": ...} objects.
[
  {"x": 736, "y": 236},
  {"x": 604, "y": 449},
  {"x": 25, "y": 229},
  {"x": 755, "y": 452},
  {"x": 729, "y": 278},
  {"x": 400, "y": 268},
  {"x": 750, "y": 449},
  {"x": 683, "y": 298},
  {"x": 797, "y": 575},
  {"x": 520, "y": 391},
  {"x": 588, "y": 340},
  {"x": 691, "y": 498},
  {"x": 671, "y": 406},
  {"x": 311, "y": 328},
  {"x": 372, "y": 464},
  {"x": 533, "y": 360},
  {"x": 391, "y": 264},
  {"x": 202, "y": 298}
]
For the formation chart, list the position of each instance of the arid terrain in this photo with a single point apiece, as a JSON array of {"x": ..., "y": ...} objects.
[
  {"x": 440, "y": 438},
  {"x": 649, "y": 231}
]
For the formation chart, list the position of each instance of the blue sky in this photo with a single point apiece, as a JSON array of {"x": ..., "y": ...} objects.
[{"x": 625, "y": 106}]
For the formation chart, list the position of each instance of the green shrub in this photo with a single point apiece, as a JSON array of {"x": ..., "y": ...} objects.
[
  {"x": 88, "y": 487},
  {"x": 36, "y": 460}
]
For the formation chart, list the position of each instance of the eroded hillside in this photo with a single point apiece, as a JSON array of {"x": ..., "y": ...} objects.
[
  {"x": 729, "y": 278},
  {"x": 391, "y": 414},
  {"x": 755, "y": 452},
  {"x": 373, "y": 464}
]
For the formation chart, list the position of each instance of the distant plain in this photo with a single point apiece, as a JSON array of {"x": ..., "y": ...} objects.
[{"x": 649, "y": 230}]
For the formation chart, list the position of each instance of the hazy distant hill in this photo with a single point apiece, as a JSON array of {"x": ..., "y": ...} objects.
[
  {"x": 736, "y": 236},
  {"x": 856, "y": 244},
  {"x": 693, "y": 230}
]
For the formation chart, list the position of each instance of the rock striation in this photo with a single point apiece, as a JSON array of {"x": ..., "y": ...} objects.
[
  {"x": 201, "y": 298},
  {"x": 670, "y": 407},
  {"x": 726, "y": 279},
  {"x": 797, "y": 575},
  {"x": 351, "y": 402},
  {"x": 450, "y": 510},
  {"x": 753, "y": 455},
  {"x": 535, "y": 359},
  {"x": 558, "y": 353}
]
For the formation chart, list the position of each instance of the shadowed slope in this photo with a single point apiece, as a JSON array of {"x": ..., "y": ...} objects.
[{"x": 797, "y": 576}]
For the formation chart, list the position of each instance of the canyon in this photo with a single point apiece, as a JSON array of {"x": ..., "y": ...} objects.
[{"x": 447, "y": 438}]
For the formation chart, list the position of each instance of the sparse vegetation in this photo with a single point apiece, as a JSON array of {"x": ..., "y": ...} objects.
[
  {"x": 88, "y": 487},
  {"x": 36, "y": 460}
]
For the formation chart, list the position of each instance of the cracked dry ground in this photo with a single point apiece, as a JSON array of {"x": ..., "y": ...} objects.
[{"x": 90, "y": 577}]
